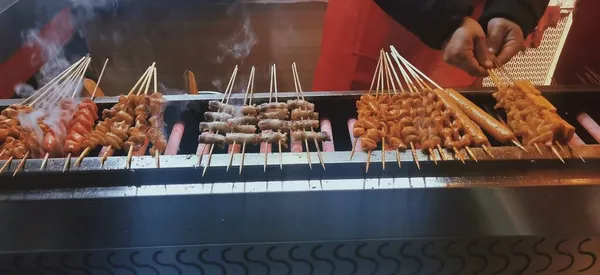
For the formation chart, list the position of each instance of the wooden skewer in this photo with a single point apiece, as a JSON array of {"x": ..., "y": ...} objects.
[
  {"x": 487, "y": 151},
  {"x": 157, "y": 158},
  {"x": 555, "y": 152},
  {"x": 67, "y": 163},
  {"x": 383, "y": 152},
  {"x": 45, "y": 161},
  {"x": 156, "y": 152},
  {"x": 82, "y": 155},
  {"x": 21, "y": 164},
  {"x": 6, "y": 164},
  {"x": 537, "y": 147},
  {"x": 2, "y": 153},
  {"x": 225, "y": 99},
  {"x": 281, "y": 157},
  {"x": 353, "y": 149},
  {"x": 300, "y": 94},
  {"x": 471, "y": 154},
  {"x": 414, "y": 154},
  {"x": 459, "y": 155},
  {"x": 105, "y": 156},
  {"x": 232, "y": 152},
  {"x": 251, "y": 89},
  {"x": 99, "y": 79},
  {"x": 308, "y": 154},
  {"x": 209, "y": 158},
  {"x": 570, "y": 148},
  {"x": 516, "y": 143},
  {"x": 560, "y": 146},
  {"x": 432, "y": 154},
  {"x": 129, "y": 155},
  {"x": 442, "y": 153},
  {"x": 368, "y": 162},
  {"x": 243, "y": 157},
  {"x": 398, "y": 158},
  {"x": 266, "y": 159}
]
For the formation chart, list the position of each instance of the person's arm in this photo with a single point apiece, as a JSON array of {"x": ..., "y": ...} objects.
[
  {"x": 433, "y": 21},
  {"x": 525, "y": 13}
]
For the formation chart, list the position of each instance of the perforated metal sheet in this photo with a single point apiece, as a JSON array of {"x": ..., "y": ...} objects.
[{"x": 538, "y": 64}]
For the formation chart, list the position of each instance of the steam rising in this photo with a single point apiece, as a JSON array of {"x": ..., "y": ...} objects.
[
  {"x": 47, "y": 108},
  {"x": 240, "y": 43}
]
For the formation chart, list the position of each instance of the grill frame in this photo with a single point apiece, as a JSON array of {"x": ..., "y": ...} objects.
[{"x": 515, "y": 165}]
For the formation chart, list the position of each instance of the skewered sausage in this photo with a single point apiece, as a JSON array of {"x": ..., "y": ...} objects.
[{"x": 493, "y": 127}]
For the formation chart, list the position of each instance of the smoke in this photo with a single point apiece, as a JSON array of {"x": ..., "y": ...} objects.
[
  {"x": 24, "y": 90},
  {"x": 51, "y": 51},
  {"x": 240, "y": 43},
  {"x": 88, "y": 9},
  {"x": 50, "y": 46}
]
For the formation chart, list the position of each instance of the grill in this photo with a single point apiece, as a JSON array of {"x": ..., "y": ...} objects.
[{"x": 337, "y": 110}]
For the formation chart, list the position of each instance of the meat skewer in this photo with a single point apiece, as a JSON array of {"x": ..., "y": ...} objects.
[
  {"x": 155, "y": 133},
  {"x": 274, "y": 107},
  {"x": 243, "y": 133},
  {"x": 82, "y": 122},
  {"x": 225, "y": 100},
  {"x": 114, "y": 127},
  {"x": 470, "y": 129},
  {"x": 308, "y": 110},
  {"x": 137, "y": 133},
  {"x": 530, "y": 115},
  {"x": 67, "y": 80}
]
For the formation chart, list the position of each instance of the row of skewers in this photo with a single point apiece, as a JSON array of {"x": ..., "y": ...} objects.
[
  {"x": 55, "y": 123},
  {"x": 263, "y": 124},
  {"x": 411, "y": 114}
]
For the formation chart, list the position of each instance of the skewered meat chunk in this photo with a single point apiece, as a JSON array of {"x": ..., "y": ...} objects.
[
  {"x": 246, "y": 129},
  {"x": 211, "y": 138},
  {"x": 273, "y": 137},
  {"x": 310, "y": 136},
  {"x": 305, "y": 124},
  {"x": 531, "y": 116},
  {"x": 272, "y": 106},
  {"x": 215, "y": 126},
  {"x": 275, "y": 114},
  {"x": 216, "y": 116},
  {"x": 242, "y": 138},
  {"x": 250, "y": 110},
  {"x": 300, "y": 104},
  {"x": 368, "y": 144},
  {"x": 298, "y": 114},
  {"x": 274, "y": 124},
  {"x": 243, "y": 120},
  {"x": 217, "y": 106}
]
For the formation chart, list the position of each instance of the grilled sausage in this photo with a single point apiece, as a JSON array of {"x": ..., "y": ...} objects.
[{"x": 493, "y": 127}]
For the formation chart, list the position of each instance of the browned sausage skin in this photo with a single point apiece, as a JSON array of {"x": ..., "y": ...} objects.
[{"x": 493, "y": 127}]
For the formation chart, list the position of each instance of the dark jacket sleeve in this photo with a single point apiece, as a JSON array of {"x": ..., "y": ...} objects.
[
  {"x": 526, "y": 13},
  {"x": 433, "y": 21}
]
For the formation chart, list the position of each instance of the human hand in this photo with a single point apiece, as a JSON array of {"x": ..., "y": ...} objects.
[
  {"x": 467, "y": 49},
  {"x": 505, "y": 39}
]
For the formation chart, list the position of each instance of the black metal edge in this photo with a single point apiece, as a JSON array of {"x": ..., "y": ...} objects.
[
  {"x": 296, "y": 216},
  {"x": 316, "y": 95}
]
